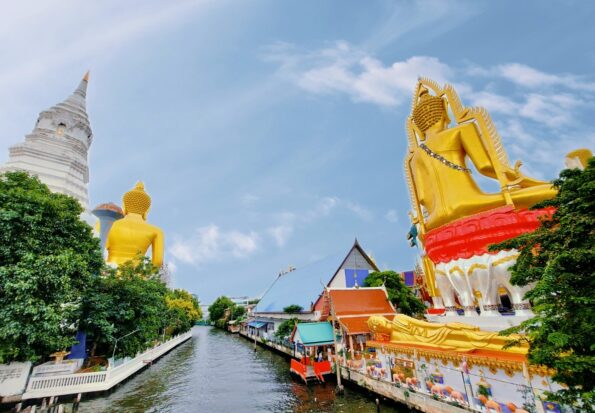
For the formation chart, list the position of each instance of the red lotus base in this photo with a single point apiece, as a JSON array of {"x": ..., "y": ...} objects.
[{"x": 471, "y": 236}]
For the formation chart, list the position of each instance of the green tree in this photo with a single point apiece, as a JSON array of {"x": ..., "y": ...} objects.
[
  {"x": 129, "y": 299},
  {"x": 286, "y": 327},
  {"x": 293, "y": 309},
  {"x": 238, "y": 312},
  {"x": 401, "y": 296},
  {"x": 184, "y": 310},
  {"x": 218, "y": 308},
  {"x": 47, "y": 258},
  {"x": 559, "y": 259}
]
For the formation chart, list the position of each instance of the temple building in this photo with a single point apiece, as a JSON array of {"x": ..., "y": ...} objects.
[
  {"x": 56, "y": 150},
  {"x": 304, "y": 286}
]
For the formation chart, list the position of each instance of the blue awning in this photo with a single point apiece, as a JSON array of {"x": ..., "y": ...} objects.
[{"x": 257, "y": 324}]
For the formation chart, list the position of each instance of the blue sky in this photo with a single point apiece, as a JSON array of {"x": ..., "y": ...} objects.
[{"x": 271, "y": 133}]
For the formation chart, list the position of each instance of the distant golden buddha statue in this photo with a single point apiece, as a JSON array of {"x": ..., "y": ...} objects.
[
  {"x": 132, "y": 235},
  {"x": 450, "y": 336},
  {"x": 441, "y": 183},
  {"x": 578, "y": 158}
]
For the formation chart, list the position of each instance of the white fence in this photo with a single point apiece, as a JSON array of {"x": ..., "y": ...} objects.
[{"x": 60, "y": 385}]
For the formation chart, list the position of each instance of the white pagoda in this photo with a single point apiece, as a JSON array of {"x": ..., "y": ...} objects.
[{"x": 56, "y": 150}]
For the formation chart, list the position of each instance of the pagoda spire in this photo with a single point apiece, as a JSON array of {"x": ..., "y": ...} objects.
[
  {"x": 57, "y": 148},
  {"x": 77, "y": 101},
  {"x": 81, "y": 90}
]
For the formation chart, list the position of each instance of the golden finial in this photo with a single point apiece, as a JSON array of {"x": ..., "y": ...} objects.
[
  {"x": 86, "y": 76},
  {"x": 137, "y": 201}
]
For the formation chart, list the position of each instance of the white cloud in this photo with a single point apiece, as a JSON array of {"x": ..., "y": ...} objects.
[
  {"x": 552, "y": 110},
  {"x": 281, "y": 233},
  {"x": 392, "y": 216},
  {"x": 527, "y": 76},
  {"x": 241, "y": 244},
  {"x": 210, "y": 243},
  {"x": 249, "y": 199},
  {"x": 538, "y": 114},
  {"x": 344, "y": 69},
  {"x": 323, "y": 207},
  {"x": 493, "y": 102},
  {"x": 359, "y": 210}
]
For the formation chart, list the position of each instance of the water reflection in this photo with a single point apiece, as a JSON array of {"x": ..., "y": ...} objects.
[{"x": 218, "y": 372}]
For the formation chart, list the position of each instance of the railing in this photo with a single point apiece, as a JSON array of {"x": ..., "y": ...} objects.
[
  {"x": 80, "y": 379},
  {"x": 321, "y": 368},
  {"x": 99, "y": 381},
  {"x": 298, "y": 368}
]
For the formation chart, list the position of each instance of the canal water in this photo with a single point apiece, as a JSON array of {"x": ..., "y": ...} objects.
[{"x": 220, "y": 372}]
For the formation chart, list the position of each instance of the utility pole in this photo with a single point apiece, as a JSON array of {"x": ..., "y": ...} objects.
[{"x": 339, "y": 389}]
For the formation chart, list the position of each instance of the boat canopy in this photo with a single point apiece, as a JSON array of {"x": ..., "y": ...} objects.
[{"x": 314, "y": 334}]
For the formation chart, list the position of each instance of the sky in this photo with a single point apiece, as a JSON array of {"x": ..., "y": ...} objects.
[{"x": 272, "y": 133}]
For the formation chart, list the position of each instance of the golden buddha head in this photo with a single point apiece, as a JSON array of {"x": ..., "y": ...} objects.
[
  {"x": 429, "y": 110},
  {"x": 137, "y": 201}
]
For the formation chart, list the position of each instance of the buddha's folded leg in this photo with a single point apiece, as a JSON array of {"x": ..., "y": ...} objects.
[{"x": 527, "y": 197}]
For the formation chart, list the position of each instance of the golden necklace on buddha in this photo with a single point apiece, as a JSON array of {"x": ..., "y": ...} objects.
[{"x": 443, "y": 159}]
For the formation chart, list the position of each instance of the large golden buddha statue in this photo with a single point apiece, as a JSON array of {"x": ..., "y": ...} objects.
[
  {"x": 450, "y": 336},
  {"x": 132, "y": 235},
  {"x": 441, "y": 183}
]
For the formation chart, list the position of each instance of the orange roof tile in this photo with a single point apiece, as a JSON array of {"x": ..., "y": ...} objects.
[{"x": 355, "y": 301}]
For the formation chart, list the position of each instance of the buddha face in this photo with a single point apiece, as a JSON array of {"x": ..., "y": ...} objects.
[{"x": 377, "y": 324}]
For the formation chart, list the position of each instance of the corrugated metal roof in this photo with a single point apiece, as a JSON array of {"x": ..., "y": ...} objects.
[{"x": 315, "y": 334}]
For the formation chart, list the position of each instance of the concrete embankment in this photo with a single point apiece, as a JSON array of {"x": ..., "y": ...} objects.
[
  {"x": 98, "y": 382},
  {"x": 414, "y": 400},
  {"x": 418, "y": 401}
]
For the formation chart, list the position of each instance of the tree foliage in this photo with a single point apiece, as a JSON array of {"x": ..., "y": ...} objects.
[
  {"x": 286, "y": 327},
  {"x": 218, "y": 307},
  {"x": 559, "y": 259},
  {"x": 53, "y": 281},
  {"x": 123, "y": 301},
  {"x": 47, "y": 257},
  {"x": 293, "y": 309},
  {"x": 133, "y": 298},
  {"x": 401, "y": 296},
  {"x": 238, "y": 312},
  {"x": 183, "y": 311}
]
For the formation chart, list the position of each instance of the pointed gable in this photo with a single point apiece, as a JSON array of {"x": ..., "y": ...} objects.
[{"x": 304, "y": 286}]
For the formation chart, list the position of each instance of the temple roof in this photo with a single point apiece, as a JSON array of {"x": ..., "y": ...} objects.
[
  {"x": 353, "y": 306},
  {"x": 109, "y": 206},
  {"x": 360, "y": 301},
  {"x": 305, "y": 285}
]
